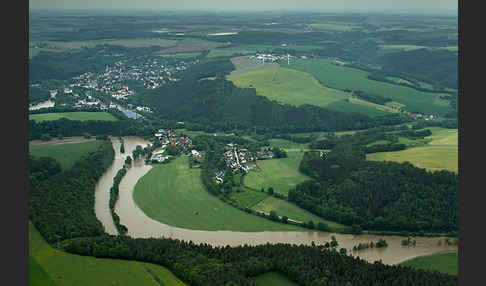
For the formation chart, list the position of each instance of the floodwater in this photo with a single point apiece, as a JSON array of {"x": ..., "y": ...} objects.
[
  {"x": 102, "y": 188},
  {"x": 141, "y": 226},
  {"x": 43, "y": 104}
]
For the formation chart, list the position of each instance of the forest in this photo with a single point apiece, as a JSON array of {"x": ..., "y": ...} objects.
[{"x": 376, "y": 195}]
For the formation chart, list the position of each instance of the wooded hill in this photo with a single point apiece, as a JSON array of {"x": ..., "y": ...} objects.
[{"x": 218, "y": 104}]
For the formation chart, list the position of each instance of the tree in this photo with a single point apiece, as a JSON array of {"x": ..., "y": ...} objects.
[
  {"x": 128, "y": 160},
  {"x": 310, "y": 225},
  {"x": 270, "y": 191},
  {"x": 322, "y": 226},
  {"x": 86, "y": 135},
  {"x": 285, "y": 219},
  {"x": 122, "y": 148},
  {"x": 273, "y": 215},
  {"x": 45, "y": 137}
]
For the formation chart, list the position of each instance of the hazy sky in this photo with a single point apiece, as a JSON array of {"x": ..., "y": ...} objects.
[{"x": 361, "y": 5}]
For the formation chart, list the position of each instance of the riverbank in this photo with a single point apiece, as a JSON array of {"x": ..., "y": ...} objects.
[{"x": 139, "y": 225}]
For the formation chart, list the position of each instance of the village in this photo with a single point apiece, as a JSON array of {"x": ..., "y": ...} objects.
[
  {"x": 238, "y": 160},
  {"x": 119, "y": 82},
  {"x": 168, "y": 138}
]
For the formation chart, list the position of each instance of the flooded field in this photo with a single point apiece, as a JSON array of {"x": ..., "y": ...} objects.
[
  {"x": 44, "y": 104},
  {"x": 141, "y": 226}
]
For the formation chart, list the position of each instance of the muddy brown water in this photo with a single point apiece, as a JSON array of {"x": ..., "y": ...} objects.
[{"x": 141, "y": 226}]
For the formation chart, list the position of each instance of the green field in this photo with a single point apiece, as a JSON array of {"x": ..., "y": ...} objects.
[
  {"x": 338, "y": 26},
  {"x": 281, "y": 174},
  {"x": 285, "y": 208},
  {"x": 80, "y": 115},
  {"x": 62, "y": 268},
  {"x": 244, "y": 64},
  {"x": 445, "y": 262},
  {"x": 395, "y": 48},
  {"x": 286, "y": 144},
  {"x": 253, "y": 49},
  {"x": 181, "y": 55},
  {"x": 273, "y": 279},
  {"x": 248, "y": 198},
  {"x": 66, "y": 154},
  {"x": 294, "y": 87},
  {"x": 136, "y": 42},
  {"x": 440, "y": 153},
  {"x": 289, "y": 86},
  {"x": 174, "y": 194},
  {"x": 340, "y": 77}
]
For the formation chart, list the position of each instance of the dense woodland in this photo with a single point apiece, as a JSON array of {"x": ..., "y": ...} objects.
[
  {"x": 61, "y": 204},
  {"x": 376, "y": 195}
]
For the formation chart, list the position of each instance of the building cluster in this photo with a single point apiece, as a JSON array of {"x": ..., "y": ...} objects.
[
  {"x": 168, "y": 137},
  {"x": 150, "y": 73},
  {"x": 422, "y": 116},
  {"x": 271, "y": 57}
]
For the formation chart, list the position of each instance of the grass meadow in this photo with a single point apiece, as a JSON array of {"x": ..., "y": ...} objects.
[
  {"x": 445, "y": 262},
  {"x": 49, "y": 266},
  {"x": 290, "y": 86},
  {"x": 80, "y": 115},
  {"x": 439, "y": 153},
  {"x": 66, "y": 154},
  {"x": 174, "y": 194},
  {"x": 280, "y": 174},
  {"x": 285, "y": 208},
  {"x": 340, "y": 77}
]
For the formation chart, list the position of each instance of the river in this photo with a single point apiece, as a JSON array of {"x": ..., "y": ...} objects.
[
  {"x": 43, "y": 104},
  {"x": 141, "y": 226}
]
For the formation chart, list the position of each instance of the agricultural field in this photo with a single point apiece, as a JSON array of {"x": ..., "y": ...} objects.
[
  {"x": 66, "y": 154},
  {"x": 396, "y": 48},
  {"x": 335, "y": 26},
  {"x": 280, "y": 174},
  {"x": 252, "y": 49},
  {"x": 248, "y": 198},
  {"x": 174, "y": 194},
  {"x": 285, "y": 208},
  {"x": 273, "y": 279},
  {"x": 81, "y": 115},
  {"x": 181, "y": 55},
  {"x": 445, "y": 262},
  {"x": 286, "y": 144},
  {"x": 55, "y": 267},
  {"x": 294, "y": 87},
  {"x": 244, "y": 64},
  {"x": 136, "y": 42},
  {"x": 436, "y": 152},
  {"x": 339, "y": 77},
  {"x": 289, "y": 86}
]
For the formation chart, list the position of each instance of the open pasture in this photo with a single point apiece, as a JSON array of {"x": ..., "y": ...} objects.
[
  {"x": 292, "y": 211},
  {"x": 340, "y": 77},
  {"x": 131, "y": 43},
  {"x": 174, "y": 194},
  {"x": 62, "y": 268},
  {"x": 439, "y": 153},
  {"x": 288, "y": 86},
  {"x": 445, "y": 262},
  {"x": 80, "y": 115},
  {"x": 66, "y": 154},
  {"x": 280, "y": 174}
]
